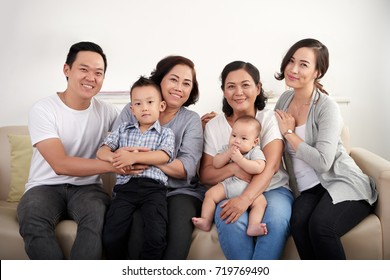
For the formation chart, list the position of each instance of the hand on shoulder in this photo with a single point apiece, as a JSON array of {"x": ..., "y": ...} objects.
[{"x": 207, "y": 117}]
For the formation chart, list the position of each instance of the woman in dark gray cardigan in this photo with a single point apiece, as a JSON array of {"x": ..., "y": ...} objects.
[{"x": 335, "y": 195}]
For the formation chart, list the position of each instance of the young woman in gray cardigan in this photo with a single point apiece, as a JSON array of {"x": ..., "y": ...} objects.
[{"x": 334, "y": 194}]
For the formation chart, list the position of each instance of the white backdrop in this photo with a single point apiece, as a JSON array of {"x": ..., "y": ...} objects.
[{"x": 135, "y": 35}]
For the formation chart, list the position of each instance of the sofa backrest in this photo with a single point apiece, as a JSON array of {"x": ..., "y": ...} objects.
[
  {"x": 5, "y": 156},
  {"x": 5, "y": 161}
]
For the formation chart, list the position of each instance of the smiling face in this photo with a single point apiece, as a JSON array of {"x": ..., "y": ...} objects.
[
  {"x": 85, "y": 77},
  {"x": 300, "y": 72},
  {"x": 146, "y": 105},
  {"x": 241, "y": 91},
  {"x": 176, "y": 86}
]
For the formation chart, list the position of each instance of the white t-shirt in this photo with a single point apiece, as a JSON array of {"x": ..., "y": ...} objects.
[
  {"x": 305, "y": 175},
  {"x": 217, "y": 133},
  {"x": 81, "y": 133}
]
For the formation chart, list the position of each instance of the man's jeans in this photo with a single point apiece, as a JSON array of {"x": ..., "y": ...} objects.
[{"x": 43, "y": 207}]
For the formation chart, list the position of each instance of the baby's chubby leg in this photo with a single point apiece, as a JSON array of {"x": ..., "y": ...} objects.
[
  {"x": 255, "y": 226},
  {"x": 213, "y": 196}
]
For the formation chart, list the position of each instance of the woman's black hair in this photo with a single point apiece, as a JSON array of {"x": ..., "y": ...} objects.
[
  {"x": 322, "y": 63},
  {"x": 260, "y": 101},
  {"x": 166, "y": 64}
]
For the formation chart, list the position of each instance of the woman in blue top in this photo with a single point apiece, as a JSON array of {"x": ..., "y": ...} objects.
[
  {"x": 335, "y": 195},
  {"x": 177, "y": 78}
]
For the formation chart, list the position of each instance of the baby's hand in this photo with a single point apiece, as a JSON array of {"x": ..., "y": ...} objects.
[
  {"x": 236, "y": 154},
  {"x": 231, "y": 150}
]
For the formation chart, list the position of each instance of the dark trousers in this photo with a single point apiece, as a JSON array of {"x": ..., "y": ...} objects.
[
  {"x": 43, "y": 207},
  {"x": 317, "y": 224},
  {"x": 181, "y": 208},
  {"x": 150, "y": 197}
]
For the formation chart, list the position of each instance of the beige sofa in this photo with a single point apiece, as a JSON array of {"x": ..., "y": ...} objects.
[{"x": 368, "y": 240}]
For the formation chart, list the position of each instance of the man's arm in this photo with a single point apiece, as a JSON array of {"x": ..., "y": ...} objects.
[{"x": 54, "y": 153}]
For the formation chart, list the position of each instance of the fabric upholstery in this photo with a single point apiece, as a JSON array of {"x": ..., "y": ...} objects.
[
  {"x": 368, "y": 240},
  {"x": 21, "y": 152}
]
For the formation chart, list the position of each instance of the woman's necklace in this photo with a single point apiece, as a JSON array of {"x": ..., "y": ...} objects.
[{"x": 299, "y": 108}]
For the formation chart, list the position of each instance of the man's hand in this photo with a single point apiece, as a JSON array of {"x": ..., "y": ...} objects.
[{"x": 135, "y": 169}]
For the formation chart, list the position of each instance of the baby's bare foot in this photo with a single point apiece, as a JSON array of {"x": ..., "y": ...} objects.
[
  {"x": 256, "y": 230},
  {"x": 201, "y": 223}
]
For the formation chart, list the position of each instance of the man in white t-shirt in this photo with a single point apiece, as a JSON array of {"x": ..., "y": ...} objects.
[{"x": 66, "y": 130}]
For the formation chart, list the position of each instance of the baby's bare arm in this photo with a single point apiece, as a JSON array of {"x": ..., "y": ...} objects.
[
  {"x": 221, "y": 159},
  {"x": 251, "y": 166}
]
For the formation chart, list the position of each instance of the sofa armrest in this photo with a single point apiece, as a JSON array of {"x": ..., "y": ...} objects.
[{"x": 379, "y": 169}]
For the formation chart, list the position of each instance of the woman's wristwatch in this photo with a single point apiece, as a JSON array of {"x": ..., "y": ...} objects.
[{"x": 289, "y": 131}]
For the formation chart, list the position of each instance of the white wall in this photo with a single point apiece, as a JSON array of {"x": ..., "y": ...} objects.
[{"x": 36, "y": 36}]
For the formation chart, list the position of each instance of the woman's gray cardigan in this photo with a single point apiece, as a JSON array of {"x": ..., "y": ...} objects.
[{"x": 324, "y": 151}]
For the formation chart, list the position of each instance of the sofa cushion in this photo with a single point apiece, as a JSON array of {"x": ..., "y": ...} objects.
[
  {"x": 205, "y": 245},
  {"x": 21, "y": 152},
  {"x": 11, "y": 243}
]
